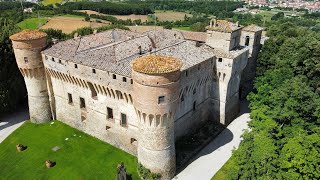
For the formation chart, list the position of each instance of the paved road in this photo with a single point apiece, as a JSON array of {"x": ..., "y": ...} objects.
[
  {"x": 11, "y": 122},
  {"x": 211, "y": 158}
]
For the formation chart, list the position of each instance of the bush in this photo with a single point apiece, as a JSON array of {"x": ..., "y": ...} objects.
[{"x": 145, "y": 173}]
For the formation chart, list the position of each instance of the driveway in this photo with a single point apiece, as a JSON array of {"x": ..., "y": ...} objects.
[
  {"x": 211, "y": 158},
  {"x": 10, "y": 122}
]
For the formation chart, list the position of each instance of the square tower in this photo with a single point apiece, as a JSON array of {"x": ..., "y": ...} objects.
[{"x": 223, "y": 35}]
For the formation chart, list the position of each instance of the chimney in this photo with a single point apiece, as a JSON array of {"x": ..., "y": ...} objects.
[{"x": 215, "y": 23}]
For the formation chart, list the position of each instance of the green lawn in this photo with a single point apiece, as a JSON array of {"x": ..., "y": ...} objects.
[
  {"x": 32, "y": 23},
  {"x": 80, "y": 157}
]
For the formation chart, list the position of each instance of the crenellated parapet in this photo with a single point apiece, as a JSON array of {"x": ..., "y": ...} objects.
[{"x": 156, "y": 94}]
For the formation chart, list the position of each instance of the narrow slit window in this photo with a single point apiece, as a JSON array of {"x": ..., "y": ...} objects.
[
  {"x": 70, "y": 101},
  {"x": 123, "y": 120},
  {"x": 131, "y": 81},
  {"x": 194, "y": 106},
  {"x": 75, "y": 65},
  {"x": 26, "y": 60},
  {"x": 82, "y": 103},
  {"x": 109, "y": 113},
  {"x": 93, "y": 71},
  {"x": 247, "y": 41},
  {"x": 52, "y": 59}
]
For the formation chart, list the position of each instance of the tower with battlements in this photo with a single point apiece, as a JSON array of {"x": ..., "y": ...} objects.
[
  {"x": 156, "y": 92},
  {"x": 27, "y": 47}
]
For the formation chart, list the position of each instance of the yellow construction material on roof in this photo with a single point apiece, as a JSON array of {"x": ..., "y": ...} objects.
[
  {"x": 156, "y": 64},
  {"x": 26, "y": 35}
]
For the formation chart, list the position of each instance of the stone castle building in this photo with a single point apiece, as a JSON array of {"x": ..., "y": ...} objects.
[{"x": 140, "y": 91}]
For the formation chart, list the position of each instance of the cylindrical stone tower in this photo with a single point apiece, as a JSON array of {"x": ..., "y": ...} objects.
[
  {"x": 156, "y": 91},
  {"x": 27, "y": 47}
]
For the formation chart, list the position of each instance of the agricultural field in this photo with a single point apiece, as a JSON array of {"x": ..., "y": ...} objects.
[
  {"x": 32, "y": 23},
  {"x": 48, "y": 2},
  {"x": 69, "y": 24},
  {"x": 171, "y": 15},
  {"x": 76, "y": 154}
]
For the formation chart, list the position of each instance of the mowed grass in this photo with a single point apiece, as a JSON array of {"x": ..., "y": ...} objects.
[
  {"x": 80, "y": 157},
  {"x": 32, "y": 23}
]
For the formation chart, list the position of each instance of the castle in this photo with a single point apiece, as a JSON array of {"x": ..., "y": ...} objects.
[{"x": 140, "y": 91}]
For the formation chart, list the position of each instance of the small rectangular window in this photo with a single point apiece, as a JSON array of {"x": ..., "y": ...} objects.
[
  {"x": 108, "y": 127},
  {"x": 70, "y": 101},
  {"x": 93, "y": 71},
  {"x": 131, "y": 81},
  {"x": 82, "y": 103},
  {"x": 109, "y": 113},
  {"x": 186, "y": 73},
  {"x": 26, "y": 60},
  {"x": 75, "y": 65},
  {"x": 123, "y": 119},
  {"x": 124, "y": 79},
  {"x": 114, "y": 76},
  {"x": 161, "y": 99},
  {"x": 220, "y": 59},
  {"x": 52, "y": 59}
]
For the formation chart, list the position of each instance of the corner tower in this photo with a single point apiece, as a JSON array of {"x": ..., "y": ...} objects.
[
  {"x": 156, "y": 93},
  {"x": 27, "y": 46}
]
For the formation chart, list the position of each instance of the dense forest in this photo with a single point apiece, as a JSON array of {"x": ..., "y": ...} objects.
[
  {"x": 284, "y": 142},
  {"x": 12, "y": 88}
]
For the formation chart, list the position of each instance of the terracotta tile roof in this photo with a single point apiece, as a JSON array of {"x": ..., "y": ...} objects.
[
  {"x": 116, "y": 56},
  {"x": 253, "y": 28},
  {"x": 28, "y": 35},
  {"x": 224, "y": 26},
  {"x": 194, "y": 36},
  {"x": 156, "y": 64}
]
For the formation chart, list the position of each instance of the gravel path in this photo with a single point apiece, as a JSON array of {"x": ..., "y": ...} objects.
[
  {"x": 211, "y": 158},
  {"x": 11, "y": 122}
]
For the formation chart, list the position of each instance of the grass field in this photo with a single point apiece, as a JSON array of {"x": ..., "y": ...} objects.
[
  {"x": 32, "y": 23},
  {"x": 47, "y": 2},
  {"x": 80, "y": 157}
]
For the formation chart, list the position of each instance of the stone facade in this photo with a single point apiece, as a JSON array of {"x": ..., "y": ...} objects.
[{"x": 90, "y": 83}]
